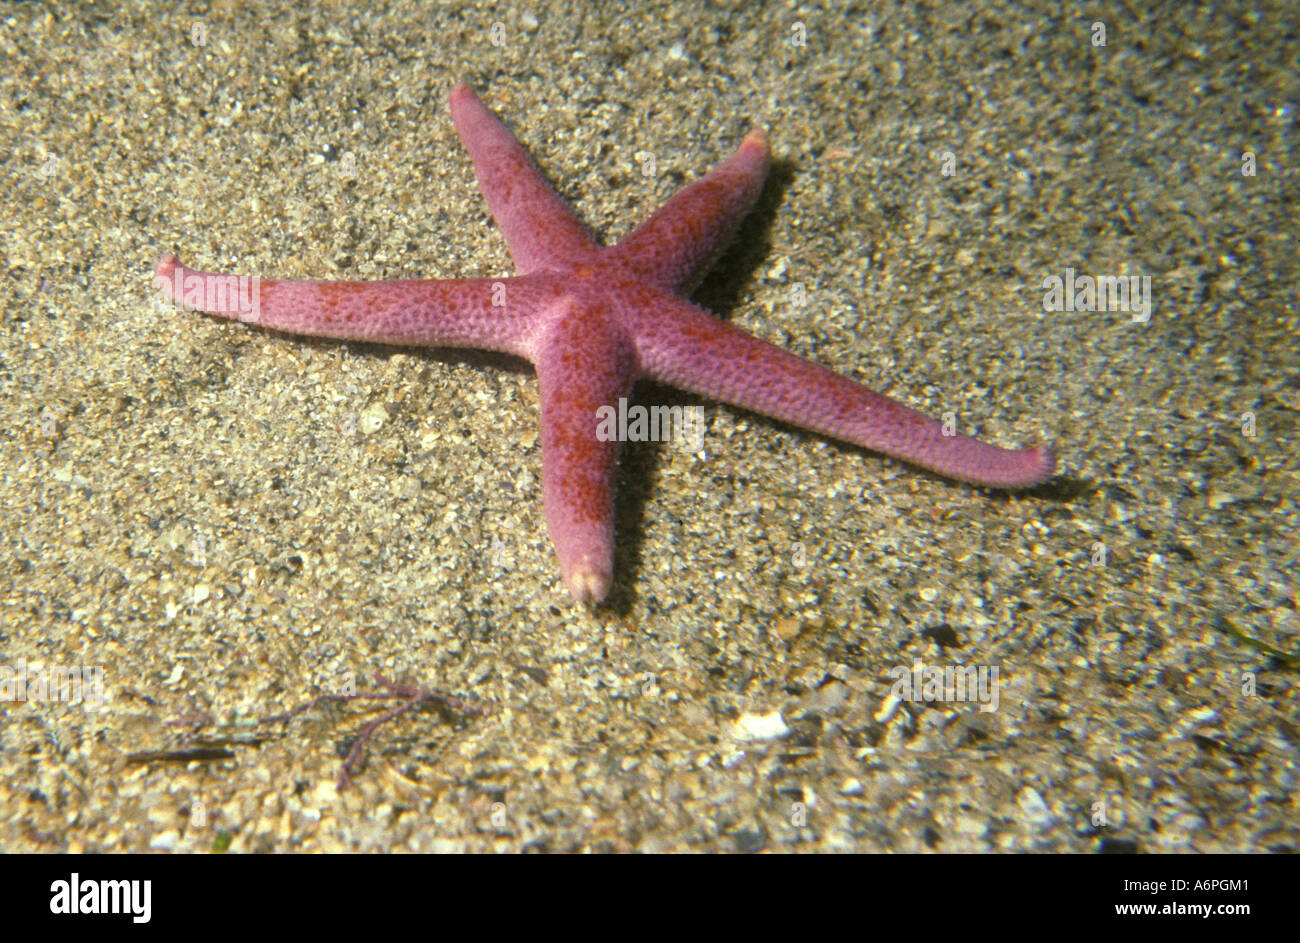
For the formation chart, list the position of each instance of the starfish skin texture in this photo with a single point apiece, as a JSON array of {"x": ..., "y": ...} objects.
[{"x": 593, "y": 320}]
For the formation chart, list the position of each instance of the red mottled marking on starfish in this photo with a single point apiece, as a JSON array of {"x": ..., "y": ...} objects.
[{"x": 593, "y": 320}]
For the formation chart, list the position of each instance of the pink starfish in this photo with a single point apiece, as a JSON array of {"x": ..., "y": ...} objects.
[{"x": 593, "y": 320}]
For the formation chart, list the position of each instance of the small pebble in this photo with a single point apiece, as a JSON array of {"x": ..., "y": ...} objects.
[{"x": 760, "y": 727}]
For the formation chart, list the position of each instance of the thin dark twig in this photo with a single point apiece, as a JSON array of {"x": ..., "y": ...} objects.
[{"x": 193, "y": 748}]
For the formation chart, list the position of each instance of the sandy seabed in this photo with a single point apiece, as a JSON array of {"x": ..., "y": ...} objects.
[{"x": 219, "y": 523}]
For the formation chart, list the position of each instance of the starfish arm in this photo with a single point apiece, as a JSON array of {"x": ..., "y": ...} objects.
[
  {"x": 474, "y": 312},
  {"x": 584, "y": 366},
  {"x": 540, "y": 228},
  {"x": 690, "y": 349},
  {"x": 676, "y": 246}
]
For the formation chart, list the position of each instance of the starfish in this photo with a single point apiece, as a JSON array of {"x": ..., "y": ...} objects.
[{"x": 593, "y": 320}]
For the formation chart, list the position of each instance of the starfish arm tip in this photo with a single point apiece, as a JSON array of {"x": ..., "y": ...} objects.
[
  {"x": 166, "y": 265},
  {"x": 1048, "y": 460},
  {"x": 757, "y": 138},
  {"x": 1038, "y": 467},
  {"x": 590, "y": 586},
  {"x": 993, "y": 467}
]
